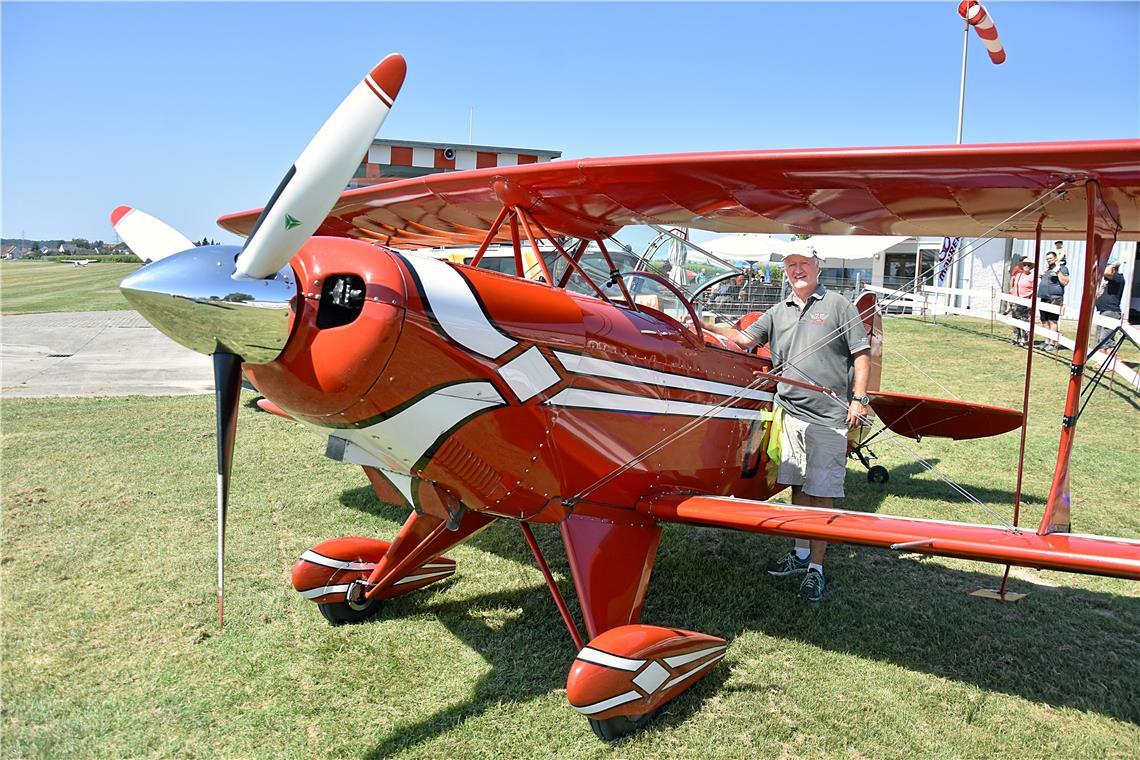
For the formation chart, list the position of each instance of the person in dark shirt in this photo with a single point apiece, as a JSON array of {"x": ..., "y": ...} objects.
[
  {"x": 1051, "y": 290},
  {"x": 1108, "y": 302}
]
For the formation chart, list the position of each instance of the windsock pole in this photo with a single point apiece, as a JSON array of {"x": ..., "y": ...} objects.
[
  {"x": 962, "y": 88},
  {"x": 975, "y": 15}
]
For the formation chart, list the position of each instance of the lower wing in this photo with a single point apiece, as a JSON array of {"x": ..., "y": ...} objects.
[{"x": 1092, "y": 555}]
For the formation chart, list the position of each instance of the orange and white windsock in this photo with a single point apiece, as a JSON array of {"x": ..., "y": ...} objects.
[{"x": 976, "y": 16}]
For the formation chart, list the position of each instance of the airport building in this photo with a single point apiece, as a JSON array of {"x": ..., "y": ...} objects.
[{"x": 396, "y": 159}]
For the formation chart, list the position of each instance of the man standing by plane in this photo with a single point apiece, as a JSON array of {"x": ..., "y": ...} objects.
[{"x": 815, "y": 336}]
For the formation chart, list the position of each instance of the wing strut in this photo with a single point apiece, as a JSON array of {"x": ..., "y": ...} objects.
[
  {"x": 517, "y": 215},
  {"x": 1025, "y": 394},
  {"x": 1100, "y": 235}
]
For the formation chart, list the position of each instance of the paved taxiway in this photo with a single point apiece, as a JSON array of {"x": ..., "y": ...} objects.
[{"x": 95, "y": 353}]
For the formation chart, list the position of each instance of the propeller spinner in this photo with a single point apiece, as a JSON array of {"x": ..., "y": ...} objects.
[{"x": 236, "y": 304}]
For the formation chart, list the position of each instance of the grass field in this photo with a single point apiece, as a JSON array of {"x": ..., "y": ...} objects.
[
  {"x": 110, "y": 645},
  {"x": 28, "y": 287}
]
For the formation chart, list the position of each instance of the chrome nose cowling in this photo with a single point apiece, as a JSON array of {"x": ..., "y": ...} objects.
[{"x": 193, "y": 298}]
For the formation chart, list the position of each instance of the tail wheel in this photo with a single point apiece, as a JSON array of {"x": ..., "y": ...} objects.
[
  {"x": 621, "y": 725},
  {"x": 878, "y": 474},
  {"x": 355, "y": 609}
]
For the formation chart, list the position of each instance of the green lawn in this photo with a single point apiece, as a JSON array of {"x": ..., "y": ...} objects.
[
  {"x": 110, "y": 645},
  {"x": 28, "y": 287}
]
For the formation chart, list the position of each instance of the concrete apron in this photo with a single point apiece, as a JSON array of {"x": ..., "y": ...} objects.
[{"x": 95, "y": 353}]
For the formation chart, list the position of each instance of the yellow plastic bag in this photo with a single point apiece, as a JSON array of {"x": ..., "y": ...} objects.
[{"x": 773, "y": 449}]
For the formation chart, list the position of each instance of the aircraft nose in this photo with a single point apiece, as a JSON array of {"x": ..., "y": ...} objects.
[{"x": 193, "y": 298}]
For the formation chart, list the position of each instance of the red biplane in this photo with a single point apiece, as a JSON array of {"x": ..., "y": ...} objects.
[{"x": 471, "y": 396}]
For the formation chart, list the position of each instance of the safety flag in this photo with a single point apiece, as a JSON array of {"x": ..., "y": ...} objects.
[{"x": 946, "y": 258}]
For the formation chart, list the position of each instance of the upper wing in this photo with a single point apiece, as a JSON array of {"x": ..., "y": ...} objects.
[{"x": 959, "y": 190}]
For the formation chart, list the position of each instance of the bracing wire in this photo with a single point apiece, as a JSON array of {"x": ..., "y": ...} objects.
[{"x": 1033, "y": 206}]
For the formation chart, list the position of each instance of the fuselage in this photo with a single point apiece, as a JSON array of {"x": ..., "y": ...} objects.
[{"x": 508, "y": 396}]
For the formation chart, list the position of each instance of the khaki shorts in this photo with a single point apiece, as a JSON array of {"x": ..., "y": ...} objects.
[{"x": 813, "y": 456}]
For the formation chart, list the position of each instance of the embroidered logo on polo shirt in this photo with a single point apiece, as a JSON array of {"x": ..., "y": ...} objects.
[{"x": 818, "y": 318}]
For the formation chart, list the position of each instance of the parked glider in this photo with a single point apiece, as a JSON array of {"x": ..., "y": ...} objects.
[
  {"x": 470, "y": 396},
  {"x": 78, "y": 262}
]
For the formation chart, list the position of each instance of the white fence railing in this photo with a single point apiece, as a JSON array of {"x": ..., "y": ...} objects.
[{"x": 928, "y": 302}]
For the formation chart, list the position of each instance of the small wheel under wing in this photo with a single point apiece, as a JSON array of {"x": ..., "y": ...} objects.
[{"x": 878, "y": 474}]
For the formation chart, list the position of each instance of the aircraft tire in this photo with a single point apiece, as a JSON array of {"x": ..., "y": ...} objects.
[
  {"x": 878, "y": 474},
  {"x": 615, "y": 728},
  {"x": 342, "y": 613}
]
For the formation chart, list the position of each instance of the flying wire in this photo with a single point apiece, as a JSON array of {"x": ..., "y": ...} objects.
[{"x": 1036, "y": 204}]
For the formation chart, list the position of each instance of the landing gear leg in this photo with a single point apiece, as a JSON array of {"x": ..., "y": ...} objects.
[{"x": 875, "y": 473}]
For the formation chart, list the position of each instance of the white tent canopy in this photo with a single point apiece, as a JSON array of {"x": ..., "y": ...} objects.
[
  {"x": 747, "y": 246},
  {"x": 846, "y": 251},
  {"x": 837, "y": 251}
]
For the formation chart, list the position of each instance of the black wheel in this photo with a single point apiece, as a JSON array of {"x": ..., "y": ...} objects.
[
  {"x": 342, "y": 613},
  {"x": 878, "y": 474},
  {"x": 622, "y": 725}
]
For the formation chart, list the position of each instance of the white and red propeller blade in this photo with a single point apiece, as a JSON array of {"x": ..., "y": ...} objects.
[
  {"x": 147, "y": 237},
  {"x": 315, "y": 181},
  {"x": 227, "y": 391}
]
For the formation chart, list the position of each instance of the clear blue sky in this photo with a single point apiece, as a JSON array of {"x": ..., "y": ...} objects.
[{"x": 189, "y": 111}]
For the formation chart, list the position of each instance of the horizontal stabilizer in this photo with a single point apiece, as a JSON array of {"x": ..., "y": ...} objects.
[
  {"x": 1093, "y": 555},
  {"x": 917, "y": 416}
]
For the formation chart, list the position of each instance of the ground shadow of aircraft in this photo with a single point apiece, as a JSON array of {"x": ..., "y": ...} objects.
[
  {"x": 880, "y": 607},
  {"x": 869, "y": 497}
]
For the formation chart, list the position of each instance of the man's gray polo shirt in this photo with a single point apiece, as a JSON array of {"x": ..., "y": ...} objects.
[{"x": 815, "y": 344}]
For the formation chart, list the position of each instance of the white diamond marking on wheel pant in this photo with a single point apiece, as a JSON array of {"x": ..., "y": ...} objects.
[{"x": 650, "y": 679}]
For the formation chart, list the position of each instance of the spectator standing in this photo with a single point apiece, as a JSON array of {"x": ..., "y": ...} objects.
[
  {"x": 1051, "y": 290},
  {"x": 1108, "y": 302},
  {"x": 1021, "y": 284}
]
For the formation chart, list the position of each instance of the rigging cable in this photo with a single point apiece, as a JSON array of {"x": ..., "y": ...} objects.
[{"x": 1038, "y": 203}]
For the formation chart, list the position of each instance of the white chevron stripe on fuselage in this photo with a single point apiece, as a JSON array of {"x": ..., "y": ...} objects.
[
  {"x": 399, "y": 441},
  {"x": 594, "y": 367},
  {"x": 456, "y": 309},
  {"x": 620, "y": 402}
]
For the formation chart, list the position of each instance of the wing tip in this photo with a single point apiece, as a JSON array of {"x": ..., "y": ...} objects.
[
  {"x": 389, "y": 74},
  {"x": 118, "y": 214}
]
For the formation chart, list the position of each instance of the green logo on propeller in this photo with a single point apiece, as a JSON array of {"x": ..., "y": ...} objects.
[{"x": 290, "y": 222}]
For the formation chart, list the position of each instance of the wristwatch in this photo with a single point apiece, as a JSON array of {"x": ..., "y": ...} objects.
[{"x": 864, "y": 400}]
